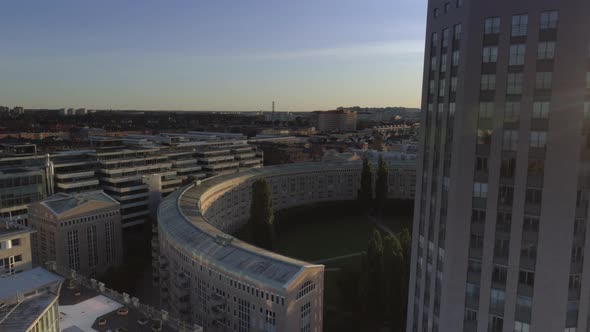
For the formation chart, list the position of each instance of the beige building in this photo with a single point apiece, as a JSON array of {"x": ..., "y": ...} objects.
[
  {"x": 337, "y": 121},
  {"x": 222, "y": 283},
  {"x": 30, "y": 302},
  {"x": 81, "y": 231},
  {"x": 15, "y": 249}
]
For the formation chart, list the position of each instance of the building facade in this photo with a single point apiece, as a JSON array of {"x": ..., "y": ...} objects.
[
  {"x": 81, "y": 231},
  {"x": 219, "y": 282},
  {"x": 337, "y": 121},
  {"x": 502, "y": 195},
  {"x": 15, "y": 249}
]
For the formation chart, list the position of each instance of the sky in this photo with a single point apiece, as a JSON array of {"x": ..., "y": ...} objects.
[{"x": 217, "y": 55}]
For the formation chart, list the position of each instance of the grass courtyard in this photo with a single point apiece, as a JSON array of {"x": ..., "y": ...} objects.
[{"x": 324, "y": 232}]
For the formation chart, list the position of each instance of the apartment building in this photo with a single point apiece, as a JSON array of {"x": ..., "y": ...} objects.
[
  {"x": 499, "y": 236},
  {"x": 337, "y": 121},
  {"x": 81, "y": 231},
  {"x": 15, "y": 249}
]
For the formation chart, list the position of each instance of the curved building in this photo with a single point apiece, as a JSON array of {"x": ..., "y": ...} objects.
[
  {"x": 501, "y": 209},
  {"x": 222, "y": 283}
]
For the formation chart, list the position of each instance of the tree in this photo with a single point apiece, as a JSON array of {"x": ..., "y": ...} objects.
[
  {"x": 261, "y": 215},
  {"x": 365, "y": 193},
  {"x": 381, "y": 186}
]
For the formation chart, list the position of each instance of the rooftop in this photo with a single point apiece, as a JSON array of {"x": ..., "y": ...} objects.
[
  {"x": 18, "y": 284},
  {"x": 24, "y": 296},
  {"x": 62, "y": 204},
  {"x": 179, "y": 216}
]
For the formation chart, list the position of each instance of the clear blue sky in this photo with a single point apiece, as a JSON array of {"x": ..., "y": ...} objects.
[{"x": 211, "y": 54}]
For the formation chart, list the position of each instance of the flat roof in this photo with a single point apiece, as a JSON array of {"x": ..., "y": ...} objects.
[
  {"x": 20, "y": 316},
  {"x": 25, "y": 282},
  {"x": 179, "y": 215},
  {"x": 61, "y": 203},
  {"x": 82, "y": 315}
]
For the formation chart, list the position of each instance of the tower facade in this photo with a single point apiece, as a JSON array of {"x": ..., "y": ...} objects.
[{"x": 499, "y": 238}]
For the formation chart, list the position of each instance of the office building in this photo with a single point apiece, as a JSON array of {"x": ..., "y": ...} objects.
[
  {"x": 73, "y": 172},
  {"x": 81, "y": 231},
  {"x": 30, "y": 301},
  {"x": 15, "y": 249},
  {"x": 501, "y": 209},
  {"x": 337, "y": 121},
  {"x": 23, "y": 180}
]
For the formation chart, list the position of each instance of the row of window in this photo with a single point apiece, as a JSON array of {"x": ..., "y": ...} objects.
[
  {"x": 519, "y": 26},
  {"x": 447, "y": 7},
  {"x": 545, "y": 51}
]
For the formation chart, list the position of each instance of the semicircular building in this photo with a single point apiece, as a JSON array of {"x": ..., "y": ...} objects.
[{"x": 212, "y": 279}]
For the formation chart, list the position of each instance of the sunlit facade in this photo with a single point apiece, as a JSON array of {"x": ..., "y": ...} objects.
[{"x": 503, "y": 178}]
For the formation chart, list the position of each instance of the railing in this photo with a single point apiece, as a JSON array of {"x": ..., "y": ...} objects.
[{"x": 133, "y": 302}]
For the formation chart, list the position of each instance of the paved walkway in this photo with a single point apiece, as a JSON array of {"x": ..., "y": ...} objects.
[
  {"x": 381, "y": 225},
  {"x": 337, "y": 258}
]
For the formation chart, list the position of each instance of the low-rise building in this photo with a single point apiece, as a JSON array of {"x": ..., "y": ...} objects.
[
  {"x": 15, "y": 249},
  {"x": 30, "y": 301},
  {"x": 81, "y": 231},
  {"x": 337, "y": 121}
]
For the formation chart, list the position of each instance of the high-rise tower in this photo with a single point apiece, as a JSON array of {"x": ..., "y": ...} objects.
[{"x": 499, "y": 239}]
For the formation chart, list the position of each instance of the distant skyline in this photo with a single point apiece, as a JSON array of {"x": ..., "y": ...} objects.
[{"x": 212, "y": 55}]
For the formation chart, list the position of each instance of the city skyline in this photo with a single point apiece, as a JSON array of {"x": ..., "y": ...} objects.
[{"x": 306, "y": 55}]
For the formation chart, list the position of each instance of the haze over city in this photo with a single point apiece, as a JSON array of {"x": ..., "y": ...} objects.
[{"x": 212, "y": 55}]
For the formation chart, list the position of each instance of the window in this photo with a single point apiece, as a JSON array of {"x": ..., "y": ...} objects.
[
  {"x": 526, "y": 278},
  {"x": 587, "y": 110},
  {"x": 480, "y": 190},
  {"x": 521, "y": 327},
  {"x": 441, "y": 88},
  {"x": 546, "y": 51},
  {"x": 446, "y": 7},
  {"x": 506, "y": 195},
  {"x": 587, "y": 80},
  {"x": 517, "y": 53},
  {"x": 538, "y": 139},
  {"x": 530, "y": 224},
  {"x": 533, "y": 196},
  {"x": 481, "y": 164},
  {"x": 575, "y": 281},
  {"x": 544, "y": 80},
  {"x": 443, "y": 63},
  {"x": 454, "y": 84},
  {"x": 459, "y": 3},
  {"x": 510, "y": 141},
  {"x": 514, "y": 86},
  {"x": 455, "y": 58},
  {"x": 492, "y": 25},
  {"x": 445, "y": 38},
  {"x": 512, "y": 111},
  {"x": 541, "y": 109},
  {"x": 519, "y": 25},
  {"x": 434, "y": 39},
  {"x": 549, "y": 19},
  {"x": 490, "y": 54},
  {"x": 488, "y": 82},
  {"x": 484, "y": 136},
  {"x": 470, "y": 315},
  {"x": 499, "y": 274},
  {"x": 536, "y": 167},
  {"x": 507, "y": 167},
  {"x": 497, "y": 299},
  {"x": 457, "y": 31},
  {"x": 15, "y": 242},
  {"x": 478, "y": 216},
  {"x": 436, "y": 12},
  {"x": 433, "y": 63},
  {"x": 486, "y": 110},
  {"x": 496, "y": 324}
]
